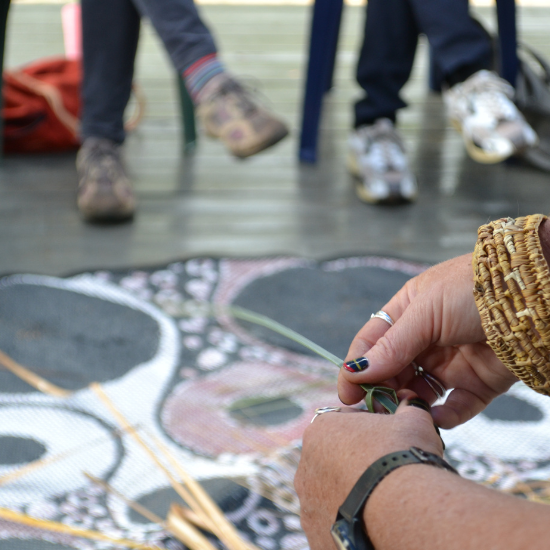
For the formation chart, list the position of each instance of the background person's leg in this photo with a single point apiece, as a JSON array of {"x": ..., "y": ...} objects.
[
  {"x": 182, "y": 31},
  {"x": 386, "y": 59},
  {"x": 376, "y": 156},
  {"x": 110, "y": 32},
  {"x": 460, "y": 45},
  {"x": 479, "y": 103},
  {"x": 226, "y": 109}
]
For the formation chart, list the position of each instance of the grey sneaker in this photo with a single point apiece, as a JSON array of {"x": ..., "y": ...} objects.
[
  {"x": 104, "y": 190},
  {"x": 229, "y": 112},
  {"x": 378, "y": 161},
  {"x": 482, "y": 109}
]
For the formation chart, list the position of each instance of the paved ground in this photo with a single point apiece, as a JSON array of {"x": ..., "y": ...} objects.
[{"x": 211, "y": 204}]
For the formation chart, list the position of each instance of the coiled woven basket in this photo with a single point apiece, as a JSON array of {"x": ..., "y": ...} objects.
[{"x": 512, "y": 293}]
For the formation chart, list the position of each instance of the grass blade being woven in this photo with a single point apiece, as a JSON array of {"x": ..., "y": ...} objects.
[
  {"x": 385, "y": 396},
  {"x": 262, "y": 320},
  {"x": 198, "y": 309}
]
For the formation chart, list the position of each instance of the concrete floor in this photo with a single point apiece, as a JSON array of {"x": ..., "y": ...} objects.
[{"x": 210, "y": 204}]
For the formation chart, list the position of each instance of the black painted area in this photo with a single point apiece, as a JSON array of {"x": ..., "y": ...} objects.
[
  {"x": 512, "y": 409},
  {"x": 19, "y": 450},
  {"x": 225, "y": 492},
  {"x": 265, "y": 411},
  {"x": 326, "y": 307},
  {"x": 69, "y": 338}
]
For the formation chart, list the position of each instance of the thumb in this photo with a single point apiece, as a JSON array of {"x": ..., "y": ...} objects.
[
  {"x": 419, "y": 411},
  {"x": 411, "y": 334}
]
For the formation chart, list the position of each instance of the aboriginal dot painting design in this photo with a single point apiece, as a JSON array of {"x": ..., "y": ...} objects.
[{"x": 229, "y": 398}]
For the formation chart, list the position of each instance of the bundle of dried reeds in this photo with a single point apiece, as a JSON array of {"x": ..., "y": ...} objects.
[{"x": 205, "y": 515}]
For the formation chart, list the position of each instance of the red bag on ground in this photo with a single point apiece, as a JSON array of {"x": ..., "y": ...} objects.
[{"x": 41, "y": 106}]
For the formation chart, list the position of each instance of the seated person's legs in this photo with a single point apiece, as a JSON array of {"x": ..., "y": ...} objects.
[
  {"x": 226, "y": 109},
  {"x": 479, "y": 102}
]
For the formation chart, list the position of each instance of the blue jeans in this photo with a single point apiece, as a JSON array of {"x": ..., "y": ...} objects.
[
  {"x": 459, "y": 43},
  {"x": 110, "y": 32}
]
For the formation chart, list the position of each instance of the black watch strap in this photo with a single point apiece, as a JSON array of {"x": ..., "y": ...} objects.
[
  {"x": 352, "y": 509},
  {"x": 378, "y": 470}
]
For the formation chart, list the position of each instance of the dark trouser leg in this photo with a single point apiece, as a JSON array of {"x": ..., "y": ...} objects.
[
  {"x": 460, "y": 45},
  {"x": 386, "y": 59},
  {"x": 110, "y": 32},
  {"x": 178, "y": 24}
]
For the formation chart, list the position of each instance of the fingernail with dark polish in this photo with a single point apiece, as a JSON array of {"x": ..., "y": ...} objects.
[
  {"x": 357, "y": 365},
  {"x": 419, "y": 403}
]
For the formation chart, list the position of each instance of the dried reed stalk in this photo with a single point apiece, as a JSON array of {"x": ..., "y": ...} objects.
[
  {"x": 197, "y": 498},
  {"x": 58, "y": 527},
  {"x": 190, "y": 516},
  {"x": 182, "y": 492},
  {"x": 178, "y": 526},
  {"x": 38, "y": 464},
  {"x": 225, "y": 530},
  {"x": 151, "y": 516},
  {"x": 31, "y": 378}
]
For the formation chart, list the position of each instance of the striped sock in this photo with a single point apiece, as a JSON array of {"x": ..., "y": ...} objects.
[{"x": 198, "y": 74}]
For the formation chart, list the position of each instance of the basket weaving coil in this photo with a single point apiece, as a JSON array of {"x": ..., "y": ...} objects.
[{"x": 512, "y": 294}]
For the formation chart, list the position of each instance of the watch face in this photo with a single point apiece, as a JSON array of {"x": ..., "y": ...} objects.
[{"x": 340, "y": 532}]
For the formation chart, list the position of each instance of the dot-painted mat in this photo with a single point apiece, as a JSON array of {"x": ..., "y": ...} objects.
[{"x": 230, "y": 399}]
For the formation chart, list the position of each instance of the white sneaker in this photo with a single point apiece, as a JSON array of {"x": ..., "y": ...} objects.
[
  {"x": 482, "y": 110},
  {"x": 378, "y": 161}
]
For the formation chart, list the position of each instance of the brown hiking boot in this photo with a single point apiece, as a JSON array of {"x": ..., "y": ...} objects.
[
  {"x": 104, "y": 190},
  {"x": 230, "y": 112}
]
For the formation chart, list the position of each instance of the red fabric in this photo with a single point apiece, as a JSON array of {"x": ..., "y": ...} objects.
[{"x": 32, "y": 121}]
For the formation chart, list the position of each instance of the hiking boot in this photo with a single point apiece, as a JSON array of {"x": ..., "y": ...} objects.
[
  {"x": 378, "y": 161},
  {"x": 104, "y": 190},
  {"x": 229, "y": 112},
  {"x": 481, "y": 108}
]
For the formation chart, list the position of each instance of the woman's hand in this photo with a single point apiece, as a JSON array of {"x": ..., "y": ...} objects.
[
  {"x": 338, "y": 447},
  {"x": 438, "y": 326}
]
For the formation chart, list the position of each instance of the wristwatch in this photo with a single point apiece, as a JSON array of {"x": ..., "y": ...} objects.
[{"x": 349, "y": 531}]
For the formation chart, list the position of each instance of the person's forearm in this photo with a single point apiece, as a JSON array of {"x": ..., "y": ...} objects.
[{"x": 420, "y": 507}]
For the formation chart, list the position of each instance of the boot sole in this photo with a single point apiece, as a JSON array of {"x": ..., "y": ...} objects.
[
  {"x": 272, "y": 140},
  {"x": 475, "y": 152}
]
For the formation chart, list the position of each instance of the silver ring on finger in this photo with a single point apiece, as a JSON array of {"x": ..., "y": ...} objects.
[
  {"x": 323, "y": 410},
  {"x": 384, "y": 316},
  {"x": 435, "y": 385}
]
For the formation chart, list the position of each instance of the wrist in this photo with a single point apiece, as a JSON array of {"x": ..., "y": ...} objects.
[
  {"x": 351, "y": 530},
  {"x": 400, "y": 499}
]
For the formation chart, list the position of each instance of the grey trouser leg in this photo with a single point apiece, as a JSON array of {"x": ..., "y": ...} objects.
[
  {"x": 177, "y": 22},
  {"x": 110, "y": 32}
]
